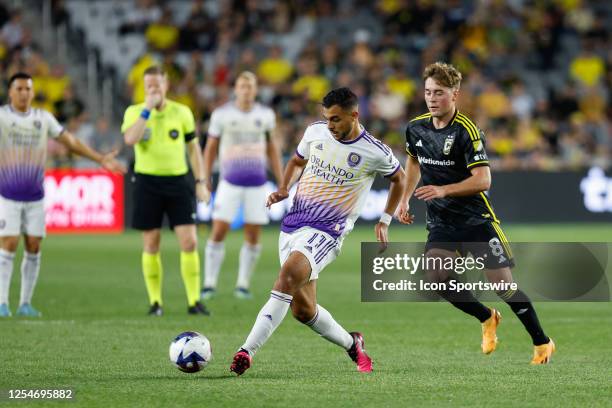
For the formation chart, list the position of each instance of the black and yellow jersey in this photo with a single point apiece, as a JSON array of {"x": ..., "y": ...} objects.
[{"x": 446, "y": 156}]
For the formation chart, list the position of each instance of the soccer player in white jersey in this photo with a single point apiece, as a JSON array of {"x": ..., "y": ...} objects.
[
  {"x": 339, "y": 161},
  {"x": 23, "y": 153},
  {"x": 241, "y": 130}
]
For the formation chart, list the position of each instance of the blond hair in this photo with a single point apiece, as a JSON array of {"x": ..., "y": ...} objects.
[
  {"x": 247, "y": 75},
  {"x": 444, "y": 74}
]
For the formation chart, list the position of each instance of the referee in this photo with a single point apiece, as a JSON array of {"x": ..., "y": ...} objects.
[{"x": 162, "y": 131}]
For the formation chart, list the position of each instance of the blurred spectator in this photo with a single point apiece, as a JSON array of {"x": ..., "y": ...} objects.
[
  {"x": 537, "y": 75},
  {"x": 274, "y": 69},
  {"x": 140, "y": 16},
  {"x": 198, "y": 33},
  {"x": 172, "y": 68},
  {"x": 4, "y": 14},
  {"x": 83, "y": 130},
  {"x": 587, "y": 68},
  {"x": 330, "y": 61},
  {"x": 59, "y": 14},
  {"x": 12, "y": 31},
  {"x": 565, "y": 102},
  {"x": 105, "y": 138},
  {"x": 135, "y": 76},
  {"x": 309, "y": 82},
  {"x": 68, "y": 106},
  {"x": 493, "y": 102},
  {"x": 163, "y": 35},
  {"x": 399, "y": 83},
  {"x": 55, "y": 84},
  {"x": 387, "y": 105},
  {"x": 522, "y": 103}
]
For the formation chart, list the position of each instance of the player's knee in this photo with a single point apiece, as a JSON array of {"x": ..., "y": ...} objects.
[
  {"x": 32, "y": 247},
  {"x": 219, "y": 231},
  {"x": 286, "y": 283},
  {"x": 189, "y": 244},
  {"x": 151, "y": 247},
  {"x": 10, "y": 244},
  {"x": 303, "y": 313},
  {"x": 251, "y": 235},
  {"x": 289, "y": 281},
  {"x": 499, "y": 275},
  {"x": 151, "y": 241}
]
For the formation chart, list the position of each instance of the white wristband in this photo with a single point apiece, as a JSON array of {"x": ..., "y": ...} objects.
[{"x": 385, "y": 218}]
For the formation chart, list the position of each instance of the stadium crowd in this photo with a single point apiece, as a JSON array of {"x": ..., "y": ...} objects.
[
  {"x": 55, "y": 91},
  {"x": 537, "y": 74}
]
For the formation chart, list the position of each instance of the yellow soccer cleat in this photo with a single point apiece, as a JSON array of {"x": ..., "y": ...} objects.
[
  {"x": 543, "y": 353},
  {"x": 489, "y": 328}
]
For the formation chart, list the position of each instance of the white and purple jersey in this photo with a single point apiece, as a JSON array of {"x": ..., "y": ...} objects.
[
  {"x": 23, "y": 152},
  {"x": 242, "y": 148},
  {"x": 336, "y": 180}
]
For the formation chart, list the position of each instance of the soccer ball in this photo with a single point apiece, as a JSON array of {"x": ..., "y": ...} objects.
[{"x": 190, "y": 352}]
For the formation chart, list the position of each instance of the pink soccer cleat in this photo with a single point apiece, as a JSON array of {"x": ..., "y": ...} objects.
[
  {"x": 358, "y": 354},
  {"x": 241, "y": 363}
]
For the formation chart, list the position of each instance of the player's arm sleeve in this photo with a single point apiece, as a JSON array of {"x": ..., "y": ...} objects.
[
  {"x": 388, "y": 164},
  {"x": 215, "y": 126},
  {"x": 271, "y": 121},
  {"x": 189, "y": 128},
  {"x": 409, "y": 146},
  {"x": 474, "y": 148},
  {"x": 54, "y": 127},
  {"x": 129, "y": 118},
  {"x": 303, "y": 148},
  {"x": 270, "y": 125}
]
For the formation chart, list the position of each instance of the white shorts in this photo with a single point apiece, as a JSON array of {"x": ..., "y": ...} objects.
[
  {"x": 229, "y": 197},
  {"x": 319, "y": 247},
  {"x": 22, "y": 217}
]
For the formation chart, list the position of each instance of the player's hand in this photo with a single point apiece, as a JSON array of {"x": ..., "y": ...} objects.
[
  {"x": 202, "y": 193},
  {"x": 110, "y": 163},
  {"x": 427, "y": 193},
  {"x": 152, "y": 100},
  {"x": 403, "y": 213},
  {"x": 382, "y": 236},
  {"x": 277, "y": 196}
]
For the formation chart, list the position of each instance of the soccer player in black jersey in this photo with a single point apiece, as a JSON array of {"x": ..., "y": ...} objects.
[{"x": 447, "y": 150}]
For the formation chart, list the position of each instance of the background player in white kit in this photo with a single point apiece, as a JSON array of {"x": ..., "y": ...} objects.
[
  {"x": 23, "y": 153},
  {"x": 242, "y": 131},
  {"x": 339, "y": 161}
]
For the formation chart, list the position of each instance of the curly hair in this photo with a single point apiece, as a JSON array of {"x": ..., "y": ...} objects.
[{"x": 443, "y": 73}]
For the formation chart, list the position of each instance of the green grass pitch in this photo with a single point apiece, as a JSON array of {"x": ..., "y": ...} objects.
[{"x": 95, "y": 338}]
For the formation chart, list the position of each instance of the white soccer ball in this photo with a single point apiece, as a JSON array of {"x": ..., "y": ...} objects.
[{"x": 190, "y": 352}]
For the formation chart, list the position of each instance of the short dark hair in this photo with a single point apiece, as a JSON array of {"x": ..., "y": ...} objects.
[
  {"x": 343, "y": 97},
  {"x": 16, "y": 76},
  {"x": 155, "y": 70}
]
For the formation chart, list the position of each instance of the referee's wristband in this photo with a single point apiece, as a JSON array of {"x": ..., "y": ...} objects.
[
  {"x": 145, "y": 113},
  {"x": 385, "y": 218}
]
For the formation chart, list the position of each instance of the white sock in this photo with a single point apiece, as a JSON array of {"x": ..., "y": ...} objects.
[
  {"x": 249, "y": 254},
  {"x": 324, "y": 324},
  {"x": 6, "y": 270},
  {"x": 269, "y": 318},
  {"x": 30, "y": 265},
  {"x": 215, "y": 252}
]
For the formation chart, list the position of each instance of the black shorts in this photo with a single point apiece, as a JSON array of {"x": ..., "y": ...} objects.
[
  {"x": 155, "y": 196},
  {"x": 486, "y": 240}
]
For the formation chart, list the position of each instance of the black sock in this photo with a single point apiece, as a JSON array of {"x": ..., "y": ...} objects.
[
  {"x": 466, "y": 302},
  {"x": 523, "y": 309}
]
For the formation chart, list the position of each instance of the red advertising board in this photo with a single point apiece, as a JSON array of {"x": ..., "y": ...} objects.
[{"x": 83, "y": 201}]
